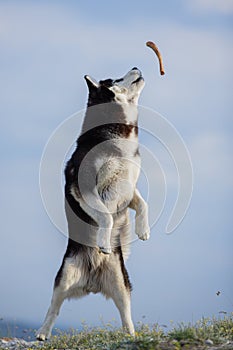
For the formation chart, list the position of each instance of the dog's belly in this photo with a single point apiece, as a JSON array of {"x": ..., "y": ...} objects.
[{"x": 116, "y": 181}]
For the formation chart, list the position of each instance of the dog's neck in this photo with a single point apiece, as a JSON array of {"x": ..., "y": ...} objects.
[{"x": 109, "y": 113}]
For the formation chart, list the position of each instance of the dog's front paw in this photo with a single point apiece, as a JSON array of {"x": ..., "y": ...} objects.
[
  {"x": 105, "y": 250},
  {"x": 103, "y": 241},
  {"x": 145, "y": 235},
  {"x": 142, "y": 229}
]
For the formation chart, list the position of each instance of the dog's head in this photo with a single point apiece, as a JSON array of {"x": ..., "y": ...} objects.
[{"x": 124, "y": 90}]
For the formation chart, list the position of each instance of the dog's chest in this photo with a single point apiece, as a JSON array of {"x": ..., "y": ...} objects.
[{"x": 117, "y": 173}]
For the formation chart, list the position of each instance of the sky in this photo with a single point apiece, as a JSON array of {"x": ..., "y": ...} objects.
[{"x": 46, "y": 49}]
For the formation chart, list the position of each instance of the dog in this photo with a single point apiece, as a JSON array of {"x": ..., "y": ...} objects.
[{"x": 100, "y": 187}]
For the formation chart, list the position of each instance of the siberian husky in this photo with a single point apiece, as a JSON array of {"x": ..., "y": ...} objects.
[{"x": 101, "y": 179}]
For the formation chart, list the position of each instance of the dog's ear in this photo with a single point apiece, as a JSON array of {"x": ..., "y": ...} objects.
[{"x": 91, "y": 83}]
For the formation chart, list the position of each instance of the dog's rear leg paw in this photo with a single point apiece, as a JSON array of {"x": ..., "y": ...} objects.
[{"x": 42, "y": 335}]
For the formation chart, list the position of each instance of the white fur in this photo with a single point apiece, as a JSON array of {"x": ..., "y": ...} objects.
[
  {"x": 142, "y": 227},
  {"x": 74, "y": 284},
  {"x": 125, "y": 91}
]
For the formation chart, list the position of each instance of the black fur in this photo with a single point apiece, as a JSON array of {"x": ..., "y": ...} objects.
[{"x": 100, "y": 94}]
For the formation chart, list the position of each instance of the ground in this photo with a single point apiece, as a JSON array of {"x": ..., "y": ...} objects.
[{"x": 213, "y": 334}]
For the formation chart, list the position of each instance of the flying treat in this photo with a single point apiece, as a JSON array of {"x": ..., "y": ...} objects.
[{"x": 158, "y": 54}]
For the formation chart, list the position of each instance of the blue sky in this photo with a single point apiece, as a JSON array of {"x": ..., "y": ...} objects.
[{"x": 46, "y": 49}]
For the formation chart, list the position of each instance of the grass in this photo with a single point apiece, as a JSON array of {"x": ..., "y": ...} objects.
[
  {"x": 190, "y": 336},
  {"x": 217, "y": 330}
]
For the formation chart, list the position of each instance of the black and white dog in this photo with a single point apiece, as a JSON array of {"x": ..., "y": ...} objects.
[{"x": 101, "y": 179}]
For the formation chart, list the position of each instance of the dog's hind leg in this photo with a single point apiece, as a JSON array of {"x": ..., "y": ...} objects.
[
  {"x": 45, "y": 331},
  {"x": 118, "y": 287},
  {"x": 122, "y": 301},
  {"x": 67, "y": 283},
  {"x": 142, "y": 227}
]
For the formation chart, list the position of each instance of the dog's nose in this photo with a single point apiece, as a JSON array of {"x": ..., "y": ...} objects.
[{"x": 134, "y": 68}]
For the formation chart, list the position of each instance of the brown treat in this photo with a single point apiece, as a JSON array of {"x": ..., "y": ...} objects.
[{"x": 158, "y": 54}]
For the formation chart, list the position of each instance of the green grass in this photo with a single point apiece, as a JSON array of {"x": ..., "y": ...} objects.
[
  {"x": 218, "y": 330},
  {"x": 183, "y": 336},
  {"x": 106, "y": 338}
]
